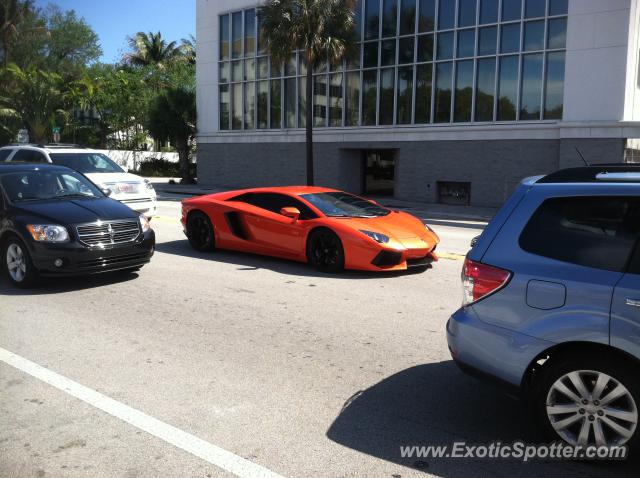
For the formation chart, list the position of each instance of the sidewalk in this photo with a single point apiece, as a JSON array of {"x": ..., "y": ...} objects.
[{"x": 420, "y": 209}]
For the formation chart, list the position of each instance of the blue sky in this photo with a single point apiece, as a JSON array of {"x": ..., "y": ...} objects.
[{"x": 114, "y": 20}]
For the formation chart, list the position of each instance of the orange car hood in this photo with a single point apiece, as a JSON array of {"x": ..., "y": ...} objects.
[{"x": 398, "y": 225}]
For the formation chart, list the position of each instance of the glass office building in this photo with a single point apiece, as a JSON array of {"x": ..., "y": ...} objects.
[
  {"x": 433, "y": 97},
  {"x": 417, "y": 62}
]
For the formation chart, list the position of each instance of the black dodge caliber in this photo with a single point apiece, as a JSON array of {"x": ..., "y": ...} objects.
[{"x": 54, "y": 222}]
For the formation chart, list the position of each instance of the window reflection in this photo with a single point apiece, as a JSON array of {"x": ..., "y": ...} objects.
[
  {"x": 557, "y": 33},
  {"x": 320, "y": 100},
  {"x": 488, "y": 11},
  {"x": 446, "y": 14},
  {"x": 511, "y": 10},
  {"x": 554, "y": 85},
  {"x": 423, "y": 93},
  {"x": 487, "y": 40},
  {"x": 276, "y": 104},
  {"x": 352, "y": 117},
  {"x": 387, "y": 77},
  {"x": 389, "y": 17},
  {"x": 533, "y": 35},
  {"x": 369, "y": 96},
  {"x": 485, "y": 89},
  {"x": 445, "y": 46},
  {"x": 405, "y": 94},
  {"x": 371, "y": 19},
  {"x": 466, "y": 43},
  {"x": 442, "y": 112},
  {"x": 407, "y": 17},
  {"x": 426, "y": 15},
  {"x": 531, "y": 93},
  {"x": 466, "y": 13},
  {"x": 464, "y": 91},
  {"x": 510, "y": 38},
  {"x": 263, "y": 104},
  {"x": 508, "y": 88},
  {"x": 335, "y": 100}
]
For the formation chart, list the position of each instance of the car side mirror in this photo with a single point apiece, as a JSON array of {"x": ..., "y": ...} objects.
[
  {"x": 292, "y": 212},
  {"x": 107, "y": 192}
]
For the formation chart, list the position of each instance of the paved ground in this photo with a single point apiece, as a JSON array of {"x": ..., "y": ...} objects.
[{"x": 304, "y": 374}]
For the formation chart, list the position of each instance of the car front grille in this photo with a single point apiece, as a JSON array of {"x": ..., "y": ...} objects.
[
  {"x": 109, "y": 233},
  {"x": 114, "y": 261}
]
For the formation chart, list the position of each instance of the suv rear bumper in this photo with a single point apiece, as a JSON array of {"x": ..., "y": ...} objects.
[{"x": 491, "y": 351}]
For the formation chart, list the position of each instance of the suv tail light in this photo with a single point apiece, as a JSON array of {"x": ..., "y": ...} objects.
[{"x": 480, "y": 280}]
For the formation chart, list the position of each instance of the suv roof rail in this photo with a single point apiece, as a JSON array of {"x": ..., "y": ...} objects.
[
  {"x": 62, "y": 145},
  {"x": 595, "y": 173}
]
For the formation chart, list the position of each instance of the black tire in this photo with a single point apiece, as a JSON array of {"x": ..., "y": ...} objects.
[
  {"x": 619, "y": 370},
  {"x": 27, "y": 275},
  {"x": 324, "y": 251},
  {"x": 200, "y": 232}
]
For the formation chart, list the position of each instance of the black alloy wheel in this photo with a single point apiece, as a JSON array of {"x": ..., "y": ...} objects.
[
  {"x": 325, "y": 251},
  {"x": 200, "y": 232}
]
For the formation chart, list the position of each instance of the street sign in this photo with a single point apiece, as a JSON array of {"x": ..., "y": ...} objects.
[{"x": 56, "y": 134}]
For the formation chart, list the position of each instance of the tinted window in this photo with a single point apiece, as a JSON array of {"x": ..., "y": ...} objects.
[
  {"x": 634, "y": 266},
  {"x": 47, "y": 185},
  {"x": 274, "y": 202},
  {"x": 598, "y": 232},
  {"x": 86, "y": 162},
  {"x": 4, "y": 154},
  {"x": 28, "y": 156}
]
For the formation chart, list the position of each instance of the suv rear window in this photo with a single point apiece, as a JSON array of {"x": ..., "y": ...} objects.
[{"x": 598, "y": 232}]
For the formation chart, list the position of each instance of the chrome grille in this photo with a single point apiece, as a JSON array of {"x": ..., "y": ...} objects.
[{"x": 108, "y": 233}]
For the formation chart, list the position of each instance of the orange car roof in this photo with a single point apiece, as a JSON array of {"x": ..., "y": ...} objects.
[{"x": 296, "y": 190}]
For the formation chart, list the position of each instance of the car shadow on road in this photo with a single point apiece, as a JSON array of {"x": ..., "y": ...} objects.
[
  {"x": 436, "y": 404},
  {"x": 248, "y": 262},
  {"x": 57, "y": 285}
]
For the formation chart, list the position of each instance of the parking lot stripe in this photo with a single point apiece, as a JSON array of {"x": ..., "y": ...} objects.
[{"x": 185, "y": 441}]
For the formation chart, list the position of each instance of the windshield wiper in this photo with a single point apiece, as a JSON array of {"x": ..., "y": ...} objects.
[{"x": 77, "y": 195}]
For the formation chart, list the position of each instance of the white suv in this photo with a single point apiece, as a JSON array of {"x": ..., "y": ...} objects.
[{"x": 132, "y": 190}]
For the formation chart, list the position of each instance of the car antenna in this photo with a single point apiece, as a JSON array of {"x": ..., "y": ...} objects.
[{"x": 582, "y": 156}]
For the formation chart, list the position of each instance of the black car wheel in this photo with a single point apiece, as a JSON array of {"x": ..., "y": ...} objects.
[
  {"x": 325, "y": 251},
  {"x": 589, "y": 401},
  {"x": 200, "y": 232},
  {"x": 17, "y": 263}
]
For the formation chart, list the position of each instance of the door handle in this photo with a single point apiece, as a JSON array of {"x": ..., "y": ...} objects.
[{"x": 633, "y": 302}]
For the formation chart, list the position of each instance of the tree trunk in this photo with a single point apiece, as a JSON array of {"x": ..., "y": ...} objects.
[
  {"x": 309, "y": 121},
  {"x": 183, "y": 157}
]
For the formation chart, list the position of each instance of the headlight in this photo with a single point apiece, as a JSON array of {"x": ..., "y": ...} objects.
[
  {"x": 376, "y": 236},
  {"x": 48, "y": 232},
  {"x": 148, "y": 184},
  {"x": 144, "y": 223}
]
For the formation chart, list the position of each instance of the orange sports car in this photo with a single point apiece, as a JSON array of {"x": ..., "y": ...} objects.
[{"x": 331, "y": 230}]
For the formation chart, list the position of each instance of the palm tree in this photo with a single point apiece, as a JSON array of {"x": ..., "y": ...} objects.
[
  {"x": 172, "y": 116},
  {"x": 37, "y": 97},
  {"x": 151, "y": 49},
  {"x": 188, "y": 49},
  {"x": 12, "y": 13},
  {"x": 322, "y": 29}
]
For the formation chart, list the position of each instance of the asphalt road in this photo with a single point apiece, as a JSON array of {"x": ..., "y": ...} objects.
[{"x": 301, "y": 373}]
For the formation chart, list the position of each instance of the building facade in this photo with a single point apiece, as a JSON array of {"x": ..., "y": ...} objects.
[{"x": 450, "y": 101}]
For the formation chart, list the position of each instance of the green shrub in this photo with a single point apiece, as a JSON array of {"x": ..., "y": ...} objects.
[{"x": 158, "y": 167}]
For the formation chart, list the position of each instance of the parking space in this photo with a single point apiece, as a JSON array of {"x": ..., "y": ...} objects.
[{"x": 301, "y": 373}]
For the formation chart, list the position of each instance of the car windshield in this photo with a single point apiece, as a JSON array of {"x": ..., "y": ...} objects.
[
  {"x": 47, "y": 185},
  {"x": 340, "y": 204},
  {"x": 86, "y": 162}
]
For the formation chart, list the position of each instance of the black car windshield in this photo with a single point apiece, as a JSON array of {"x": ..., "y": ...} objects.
[
  {"x": 340, "y": 204},
  {"x": 86, "y": 162},
  {"x": 47, "y": 185}
]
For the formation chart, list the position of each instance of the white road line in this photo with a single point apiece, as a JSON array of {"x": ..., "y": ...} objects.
[{"x": 185, "y": 441}]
